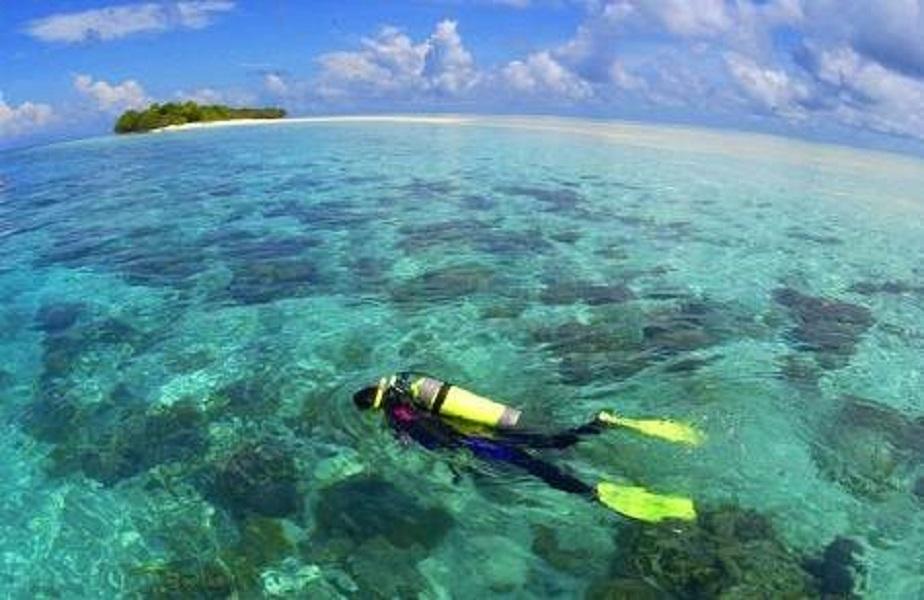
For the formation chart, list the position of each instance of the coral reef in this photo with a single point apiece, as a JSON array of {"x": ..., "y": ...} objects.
[
  {"x": 830, "y": 329},
  {"x": 560, "y": 292},
  {"x": 109, "y": 444},
  {"x": 89, "y": 348},
  {"x": 918, "y": 488},
  {"x": 620, "y": 344},
  {"x": 379, "y": 533},
  {"x": 265, "y": 281},
  {"x": 445, "y": 284},
  {"x": 362, "y": 508},
  {"x": 232, "y": 571},
  {"x": 731, "y": 552},
  {"x": 622, "y": 588},
  {"x": 59, "y": 316},
  {"x": 801, "y": 371},
  {"x": 547, "y": 544},
  {"x": 259, "y": 478},
  {"x": 563, "y": 200},
  {"x": 837, "y": 569},
  {"x": 868, "y": 288},
  {"x": 870, "y": 448},
  {"x": 474, "y": 234}
]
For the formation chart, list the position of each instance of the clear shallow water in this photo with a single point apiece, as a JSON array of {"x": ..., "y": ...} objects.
[{"x": 185, "y": 316}]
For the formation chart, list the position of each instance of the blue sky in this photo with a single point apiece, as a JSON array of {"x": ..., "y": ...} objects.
[{"x": 845, "y": 70}]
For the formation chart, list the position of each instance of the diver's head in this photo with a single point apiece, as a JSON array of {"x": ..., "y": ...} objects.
[
  {"x": 370, "y": 397},
  {"x": 365, "y": 398}
]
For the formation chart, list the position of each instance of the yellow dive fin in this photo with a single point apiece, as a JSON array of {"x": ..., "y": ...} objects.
[
  {"x": 639, "y": 503},
  {"x": 659, "y": 428}
]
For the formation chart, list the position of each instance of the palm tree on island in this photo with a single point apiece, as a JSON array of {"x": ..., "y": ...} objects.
[{"x": 158, "y": 116}]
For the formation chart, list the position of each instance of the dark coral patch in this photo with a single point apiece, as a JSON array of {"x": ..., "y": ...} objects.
[
  {"x": 558, "y": 293},
  {"x": 687, "y": 326},
  {"x": 838, "y": 569},
  {"x": 476, "y": 202},
  {"x": 231, "y": 571},
  {"x": 421, "y": 235},
  {"x": 509, "y": 243},
  {"x": 361, "y": 509},
  {"x": 52, "y": 415},
  {"x": 800, "y": 370},
  {"x": 830, "y": 329},
  {"x": 55, "y": 412},
  {"x": 690, "y": 365},
  {"x": 59, "y": 316},
  {"x": 160, "y": 264},
  {"x": 109, "y": 443},
  {"x": 480, "y": 236},
  {"x": 329, "y": 216},
  {"x": 623, "y": 588},
  {"x": 868, "y": 288},
  {"x": 728, "y": 553},
  {"x": 446, "y": 284},
  {"x": 246, "y": 246},
  {"x": 254, "y": 396},
  {"x": 260, "y": 477},
  {"x": 548, "y": 545},
  {"x": 869, "y": 448},
  {"x": 816, "y": 238},
  {"x": 620, "y": 348},
  {"x": 61, "y": 352},
  {"x": 267, "y": 281},
  {"x": 918, "y": 488},
  {"x": 149, "y": 256},
  {"x": 559, "y": 200},
  {"x": 427, "y": 189},
  {"x": 566, "y": 236}
]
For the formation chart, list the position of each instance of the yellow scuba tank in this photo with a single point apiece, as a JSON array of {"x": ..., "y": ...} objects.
[{"x": 442, "y": 398}]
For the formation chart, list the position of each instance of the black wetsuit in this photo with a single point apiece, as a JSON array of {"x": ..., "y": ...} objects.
[{"x": 509, "y": 446}]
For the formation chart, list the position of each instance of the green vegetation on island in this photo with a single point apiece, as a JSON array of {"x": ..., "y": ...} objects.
[{"x": 175, "y": 113}]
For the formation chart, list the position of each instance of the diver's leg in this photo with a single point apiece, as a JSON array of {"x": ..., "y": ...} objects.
[
  {"x": 547, "y": 472},
  {"x": 556, "y": 441},
  {"x": 550, "y": 474}
]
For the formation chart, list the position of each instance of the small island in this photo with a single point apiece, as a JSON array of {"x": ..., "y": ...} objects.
[{"x": 158, "y": 116}]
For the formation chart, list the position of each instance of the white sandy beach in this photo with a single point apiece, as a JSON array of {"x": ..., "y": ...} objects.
[
  {"x": 435, "y": 120},
  {"x": 824, "y": 157}
]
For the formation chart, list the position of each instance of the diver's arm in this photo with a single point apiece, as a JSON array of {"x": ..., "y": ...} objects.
[{"x": 407, "y": 421}]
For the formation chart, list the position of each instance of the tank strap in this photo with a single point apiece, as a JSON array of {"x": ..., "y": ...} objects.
[{"x": 440, "y": 398}]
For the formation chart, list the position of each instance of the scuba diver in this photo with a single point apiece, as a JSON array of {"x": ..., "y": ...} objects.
[{"x": 440, "y": 415}]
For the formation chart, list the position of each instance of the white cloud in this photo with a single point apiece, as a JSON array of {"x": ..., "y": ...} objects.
[
  {"x": 890, "y": 32},
  {"x": 208, "y": 95},
  {"x": 687, "y": 18},
  {"x": 392, "y": 65},
  {"x": 389, "y": 63},
  {"x": 448, "y": 66},
  {"x": 868, "y": 95},
  {"x": 202, "y": 96},
  {"x": 858, "y": 63},
  {"x": 275, "y": 84},
  {"x": 541, "y": 74},
  {"x": 772, "y": 89},
  {"x": 111, "y": 98},
  {"x": 120, "y": 21},
  {"x": 18, "y": 120},
  {"x": 624, "y": 79}
]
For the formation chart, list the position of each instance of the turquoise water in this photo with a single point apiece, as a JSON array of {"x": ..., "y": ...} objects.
[{"x": 185, "y": 316}]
